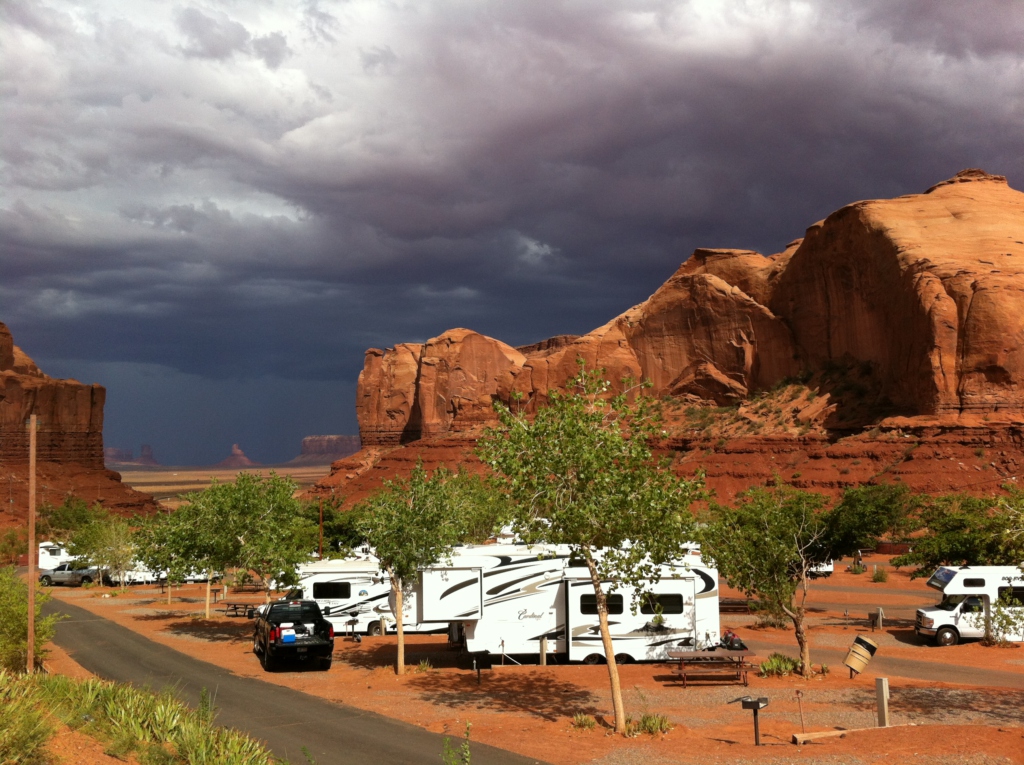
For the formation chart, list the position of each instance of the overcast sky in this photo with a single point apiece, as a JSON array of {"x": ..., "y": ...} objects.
[{"x": 214, "y": 208}]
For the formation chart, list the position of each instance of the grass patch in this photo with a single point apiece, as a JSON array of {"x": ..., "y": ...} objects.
[
  {"x": 778, "y": 665},
  {"x": 650, "y": 723},
  {"x": 582, "y": 721}
]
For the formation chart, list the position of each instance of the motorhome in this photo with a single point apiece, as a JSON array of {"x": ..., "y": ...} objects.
[
  {"x": 503, "y": 599},
  {"x": 966, "y": 592},
  {"x": 357, "y": 593}
]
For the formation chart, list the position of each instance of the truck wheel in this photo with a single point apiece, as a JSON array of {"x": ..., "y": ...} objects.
[
  {"x": 594, "y": 658},
  {"x": 269, "y": 662},
  {"x": 255, "y": 645},
  {"x": 47, "y": 581},
  {"x": 947, "y": 636},
  {"x": 325, "y": 664},
  {"x": 86, "y": 580},
  {"x": 373, "y": 628}
]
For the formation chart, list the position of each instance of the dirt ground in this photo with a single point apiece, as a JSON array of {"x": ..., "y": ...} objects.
[{"x": 529, "y": 709}]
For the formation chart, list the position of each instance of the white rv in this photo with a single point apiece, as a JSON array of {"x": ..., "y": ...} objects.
[
  {"x": 357, "y": 593},
  {"x": 51, "y": 555},
  {"x": 504, "y": 598},
  {"x": 966, "y": 592}
]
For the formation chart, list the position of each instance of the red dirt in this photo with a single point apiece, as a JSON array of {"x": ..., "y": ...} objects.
[{"x": 529, "y": 709}]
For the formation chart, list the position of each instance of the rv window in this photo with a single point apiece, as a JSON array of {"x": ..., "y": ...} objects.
[
  {"x": 332, "y": 590},
  {"x": 670, "y": 603},
  {"x": 588, "y": 604},
  {"x": 1014, "y": 596},
  {"x": 974, "y": 582},
  {"x": 971, "y": 606},
  {"x": 950, "y": 602}
]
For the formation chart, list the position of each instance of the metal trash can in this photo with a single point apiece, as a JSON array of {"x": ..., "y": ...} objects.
[{"x": 860, "y": 654}]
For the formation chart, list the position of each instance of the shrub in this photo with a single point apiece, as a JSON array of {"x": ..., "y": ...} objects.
[
  {"x": 14, "y": 622},
  {"x": 424, "y": 666},
  {"x": 582, "y": 721},
  {"x": 24, "y": 730},
  {"x": 858, "y": 568},
  {"x": 825, "y": 670},
  {"x": 880, "y": 575},
  {"x": 778, "y": 665},
  {"x": 452, "y": 756},
  {"x": 649, "y": 723},
  {"x": 1007, "y": 619}
]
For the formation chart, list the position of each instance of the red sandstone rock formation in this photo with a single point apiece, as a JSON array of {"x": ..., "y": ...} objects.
[
  {"x": 69, "y": 439},
  {"x": 924, "y": 292},
  {"x": 324, "y": 450},
  {"x": 236, "y": 459}
]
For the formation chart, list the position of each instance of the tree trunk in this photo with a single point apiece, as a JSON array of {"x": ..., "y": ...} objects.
[
  {"x": 396, "y": 587},
  {"x": 168, "y": 588},
  {"x": 801, "y": 639},
  {"x": 209, "y": 575},
  {"x": 609, "y": 649}
]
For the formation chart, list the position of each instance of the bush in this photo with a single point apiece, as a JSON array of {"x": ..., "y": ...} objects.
[
  {"x": 649, "y": 723},
  {"x": 778, "y": 665},
  {"x": 582, "y": 721},
  {"x": 461, "y": 756},
  {"x": 24, "y": 730},
  {"x": 858, "y": 568},
  {"x": 14, "y": 622},
  {"x": 880, "y": 575}
]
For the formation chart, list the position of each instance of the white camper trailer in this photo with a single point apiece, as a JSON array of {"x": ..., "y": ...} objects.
[
  {"x": 505, "y": 598},
  {"x": 356, "y": 591},
  {"x": 966, "y": 592},
  {"x": 51, "y": 555}
]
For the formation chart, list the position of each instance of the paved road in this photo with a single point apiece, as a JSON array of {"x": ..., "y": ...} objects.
[
  {"x": 889, "y": 665},
  {"x": 286, "y": 720}
]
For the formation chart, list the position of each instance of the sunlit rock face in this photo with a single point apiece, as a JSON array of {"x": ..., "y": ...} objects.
[{"x": 922, "y": 293}]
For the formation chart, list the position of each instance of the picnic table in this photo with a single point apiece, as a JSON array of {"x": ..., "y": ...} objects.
[
  {"x": 732, "y": 665},
  {"x": 238, "y": 609}
]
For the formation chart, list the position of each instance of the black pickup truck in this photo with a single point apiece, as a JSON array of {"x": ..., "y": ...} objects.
[{"x": 293, "y": 629}]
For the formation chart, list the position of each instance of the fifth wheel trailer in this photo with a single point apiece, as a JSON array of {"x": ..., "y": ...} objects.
[{"x": 504, "y": 599}]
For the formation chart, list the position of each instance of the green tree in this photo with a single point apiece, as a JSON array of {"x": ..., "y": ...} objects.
[
  {"x": 582, "y": 474},
  {"x": 961, "y": 530},
  {"x": 866, "y": 514},
  {"x": 766, "y": 547},
  {"x": 14, "y": 622},
  {"x": 107, "y": 543},
  {"x": 13, "y": 543},
  {"x": 411, "y": 524},
  {"x": 58, "y": 523},
  {"x": 168, "y": 542}
]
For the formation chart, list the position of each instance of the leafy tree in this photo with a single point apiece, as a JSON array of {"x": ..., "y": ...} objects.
[
  {"x": 866, "y": 514},
  {"x": 410, "y": 524},
  {"x": 581, "y": 474},
  {"x": 14, "y": 622},
  {"x": 768, "y": 544},
  {"x": 58, "y": 523},
  {"x": 341, "y": 527},
  {"x": 108, "y": 543},
  {"x": 13, "y": 543},
  {"x": 963, "y": 530},
  {"x": 170, "y": 542}
]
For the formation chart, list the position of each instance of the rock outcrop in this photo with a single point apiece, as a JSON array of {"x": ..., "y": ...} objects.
[
  {"x": 69, "y": 441},
  {"x": 323, "y": 450},
  {"x": 922, "y": 294},
  {"x": 236, "y": 459}
]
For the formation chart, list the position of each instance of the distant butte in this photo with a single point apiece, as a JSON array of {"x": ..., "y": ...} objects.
[
  {"x": 900, "y": 323},
  {"x": 323, "y": 450},
  {"x": 237, "y": 459}
]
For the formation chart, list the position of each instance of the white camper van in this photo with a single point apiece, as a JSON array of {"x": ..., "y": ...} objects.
[
  {"x": 961, "y": 612},
  {"x": 504, "y": 598},
  {"x": 356, "y": 591}
]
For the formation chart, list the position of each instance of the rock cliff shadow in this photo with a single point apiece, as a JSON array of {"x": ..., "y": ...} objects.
[{"x": 536, "y": 693}]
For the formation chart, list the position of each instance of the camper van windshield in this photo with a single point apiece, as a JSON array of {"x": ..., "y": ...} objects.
[{"x": 950, "y": 602}]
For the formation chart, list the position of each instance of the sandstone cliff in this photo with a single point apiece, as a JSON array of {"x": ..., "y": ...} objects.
[
  {"x": 921, "y": 294},
  {"x": 69, "y": 438}
]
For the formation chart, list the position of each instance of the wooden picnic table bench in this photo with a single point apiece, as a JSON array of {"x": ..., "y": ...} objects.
[
  {"x": 238, "y": 609},
  {"x": 714, "y": 664}
]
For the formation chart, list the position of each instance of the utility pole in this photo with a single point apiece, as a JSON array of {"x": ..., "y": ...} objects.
[
  {"x": 32, "y": 550},
  {"x": 321, "y": 528}
]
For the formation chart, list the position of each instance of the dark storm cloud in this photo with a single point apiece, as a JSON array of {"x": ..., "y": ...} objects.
[{"x": 246, "y": 194}]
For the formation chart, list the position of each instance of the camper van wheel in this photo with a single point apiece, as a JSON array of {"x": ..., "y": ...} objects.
[
  {"x": 373, "y": 628},
  {"x": 594, "y": 658},
  {"x": 623, "y": 658},
  {"x": 947, "y": 636}
]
